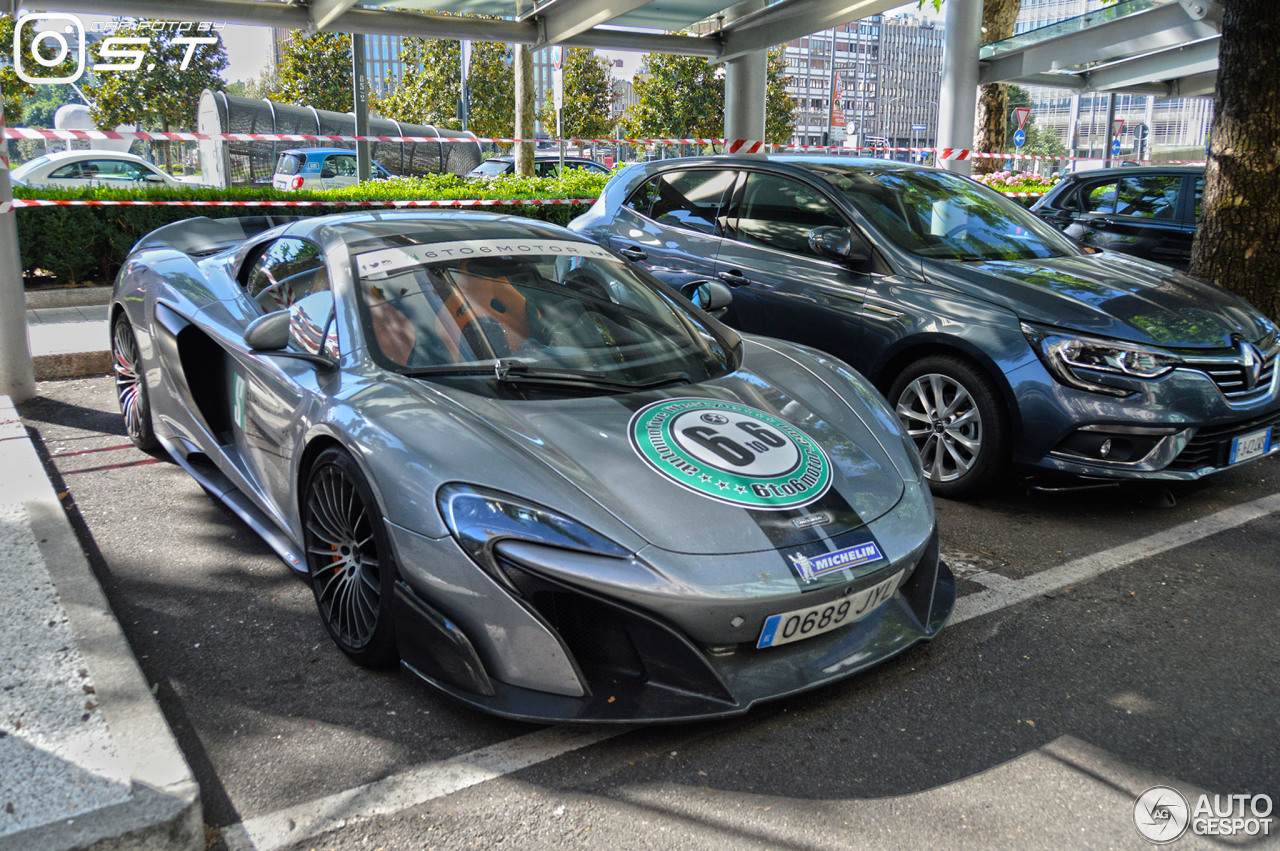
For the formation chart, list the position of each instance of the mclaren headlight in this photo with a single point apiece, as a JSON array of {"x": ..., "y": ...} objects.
[
  {"x": 1084, "y": 362},
  {"x": 480, "y": 519}
]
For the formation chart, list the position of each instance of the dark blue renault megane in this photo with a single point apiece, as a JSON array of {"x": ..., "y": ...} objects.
[{"x": 997, "y": 339}]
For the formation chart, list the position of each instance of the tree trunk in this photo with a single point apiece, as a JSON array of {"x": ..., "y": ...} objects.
[
  {"x": 998, "y": 17},
  {"x": 524, "y": 109},
  {"x": 1238, "y": 243}
]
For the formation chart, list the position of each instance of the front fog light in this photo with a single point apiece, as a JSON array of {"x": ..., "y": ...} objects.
[{"x": 1114, "y": 444}]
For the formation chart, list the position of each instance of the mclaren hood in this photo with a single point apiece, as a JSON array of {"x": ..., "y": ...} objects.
[{"x": 731, "y": 465}]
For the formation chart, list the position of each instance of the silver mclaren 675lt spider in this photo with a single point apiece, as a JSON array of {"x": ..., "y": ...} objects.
[{"x": 516, "y": 464}]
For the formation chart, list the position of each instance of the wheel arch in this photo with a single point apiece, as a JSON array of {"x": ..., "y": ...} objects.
[{"x": 911, "y": 349}]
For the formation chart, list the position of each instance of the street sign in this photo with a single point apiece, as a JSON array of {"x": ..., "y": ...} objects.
[
  {"x": 1019, "y": 137},
  {"x": 919, "y": 128},
  {"x": 1117, "y": 127},
  {"x": 1141, "y": 131},
  {"x": 1115, "y": 147},
  {"x": 1021, "y": 114},
  {"x": 557, "y": 78}
]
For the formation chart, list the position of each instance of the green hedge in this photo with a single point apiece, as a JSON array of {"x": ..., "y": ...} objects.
[{"x": 79, "y": 245}]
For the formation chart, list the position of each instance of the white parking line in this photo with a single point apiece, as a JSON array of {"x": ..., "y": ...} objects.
[
  {"x": 1000, "y": 595},
  {"x": 438, "y": 779},
  {"x": 408, "y": 789}
]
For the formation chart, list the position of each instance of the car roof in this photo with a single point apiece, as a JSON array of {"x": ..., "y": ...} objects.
[
  {"x": 1129, "y": 171},
  {"x": 507, "y": 158},
  {"x": 319, "y": 151},
  {"x": 58, "y": 156},
  {"x": 450, "y": 226}
]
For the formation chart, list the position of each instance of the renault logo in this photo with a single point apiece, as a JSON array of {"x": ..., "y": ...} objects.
[{"x": 1251, "y": 362}]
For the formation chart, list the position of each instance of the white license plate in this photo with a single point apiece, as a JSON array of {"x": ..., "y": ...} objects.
[
  {"x": 824, "y": 617},
  {"x": 1250, "y": 446}
]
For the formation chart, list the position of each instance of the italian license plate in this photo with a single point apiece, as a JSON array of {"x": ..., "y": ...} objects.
[
  {"x": 1250, "y": 446},
  {"x": 824, "y": 617}
]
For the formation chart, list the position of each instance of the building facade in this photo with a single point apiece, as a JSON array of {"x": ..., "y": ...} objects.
[
  {"x": 868, "y": 82},
  {"x": 1177, "y": 124}
]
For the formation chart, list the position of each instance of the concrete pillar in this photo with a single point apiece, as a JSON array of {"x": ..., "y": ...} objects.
[
  {"x": 745, "y": 80},
  {"x": 958, "y": 99},
  {"x": 360, "y": 105},
  {"x": 17, "y": 374}
]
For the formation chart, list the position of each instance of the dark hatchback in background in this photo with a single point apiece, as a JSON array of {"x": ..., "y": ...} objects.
[
  {"x": 544, "y": 165},
  {"x": 995, "y": 337},
  {"x": 1148, "y": 211}
]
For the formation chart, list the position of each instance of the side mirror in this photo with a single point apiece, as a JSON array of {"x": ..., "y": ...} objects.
[
  {"x": 837, "y": 244},
  {"x": 268, "y": 333},
  {"x": 311, "y": 324},
  {"x": 153, "y": 178},
  {"x": 711, "y": 296}
]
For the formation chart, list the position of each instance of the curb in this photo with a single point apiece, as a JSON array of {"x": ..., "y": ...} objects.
[
  {"x": 73, "y": 365},
  {"x": 68, "y": 297},
  {"x": 162, "y": 808}
]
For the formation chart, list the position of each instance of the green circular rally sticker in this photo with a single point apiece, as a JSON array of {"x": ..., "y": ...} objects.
[{"x": 731, "y": 453}]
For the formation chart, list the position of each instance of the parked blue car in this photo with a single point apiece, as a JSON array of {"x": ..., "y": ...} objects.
[{"x": 998, "y": 340}]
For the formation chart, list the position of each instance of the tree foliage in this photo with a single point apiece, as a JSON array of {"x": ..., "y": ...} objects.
[
  {"x": 491, "y": 86},
  {"x": 161, "y": 94},
  {"x": 432, "y": 83},
  {"x": 17, "y": 90},
  {"x": 315, "y": 70},
  {"x": 683, "y": 96},
  {"x": 590, "y": 93}
]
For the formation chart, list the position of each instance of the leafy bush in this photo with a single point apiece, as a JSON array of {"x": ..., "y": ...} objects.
[{"x": 87, "y": 244}]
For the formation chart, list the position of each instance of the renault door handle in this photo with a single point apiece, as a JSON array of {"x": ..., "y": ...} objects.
[
  {"x": 632, "y": 253},
  {"x": 733, "y": 278}
]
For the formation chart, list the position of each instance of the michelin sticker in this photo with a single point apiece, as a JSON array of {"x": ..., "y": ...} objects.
[
  {"x": 731, "y": 453},
  {"x": 813, "y": 568}
]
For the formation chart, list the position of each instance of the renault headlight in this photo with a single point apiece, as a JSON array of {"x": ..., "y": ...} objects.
[{"x": 1083, "y": 362}]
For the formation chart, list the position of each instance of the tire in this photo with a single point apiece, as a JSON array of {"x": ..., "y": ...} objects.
[
  {"x": 131, "y": 385},
  {"x": 966, "y": 449},
  {"x": 349, "y": 560}
]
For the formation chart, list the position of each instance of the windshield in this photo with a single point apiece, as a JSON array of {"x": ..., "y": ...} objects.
[
  {"x": 944, "y": 216},
  {"x": 27, "y": 167},
  {"x": 524, "y": 310},
  {"x": 289, "y": 164},
  {"x": 489, "y": 168}
]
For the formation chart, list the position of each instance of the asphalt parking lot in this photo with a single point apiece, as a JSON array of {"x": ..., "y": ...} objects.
[{"x": 1104, "y": 640}]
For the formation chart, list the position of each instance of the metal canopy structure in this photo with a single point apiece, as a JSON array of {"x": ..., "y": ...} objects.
[
  {"x": 608, "y": 24},
  {"x": 1167, "y": 48}
]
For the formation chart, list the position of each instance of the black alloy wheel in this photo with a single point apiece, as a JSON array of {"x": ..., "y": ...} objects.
[
  {"x": 349, "y": 560},
  {"x": 131, "y": 385}
]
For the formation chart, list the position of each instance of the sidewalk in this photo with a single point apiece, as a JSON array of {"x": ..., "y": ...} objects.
[
  {"x": 68, "y": 331},
  {"x": 87, "y": 760}
]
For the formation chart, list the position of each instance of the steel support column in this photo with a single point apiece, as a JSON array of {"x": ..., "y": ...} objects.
[
  {"x": 744, "y": 88},
  {"x": 360, "y": 105},
  {"x": 958, "y": 99},
  {"x": 17, "y": 374}
]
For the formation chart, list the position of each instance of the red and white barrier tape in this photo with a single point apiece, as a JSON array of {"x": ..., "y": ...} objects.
[
  {"x": 19, "y": 203},
  {"x": 104, "y": 135},
  {"x": 734, "y": 146}
]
